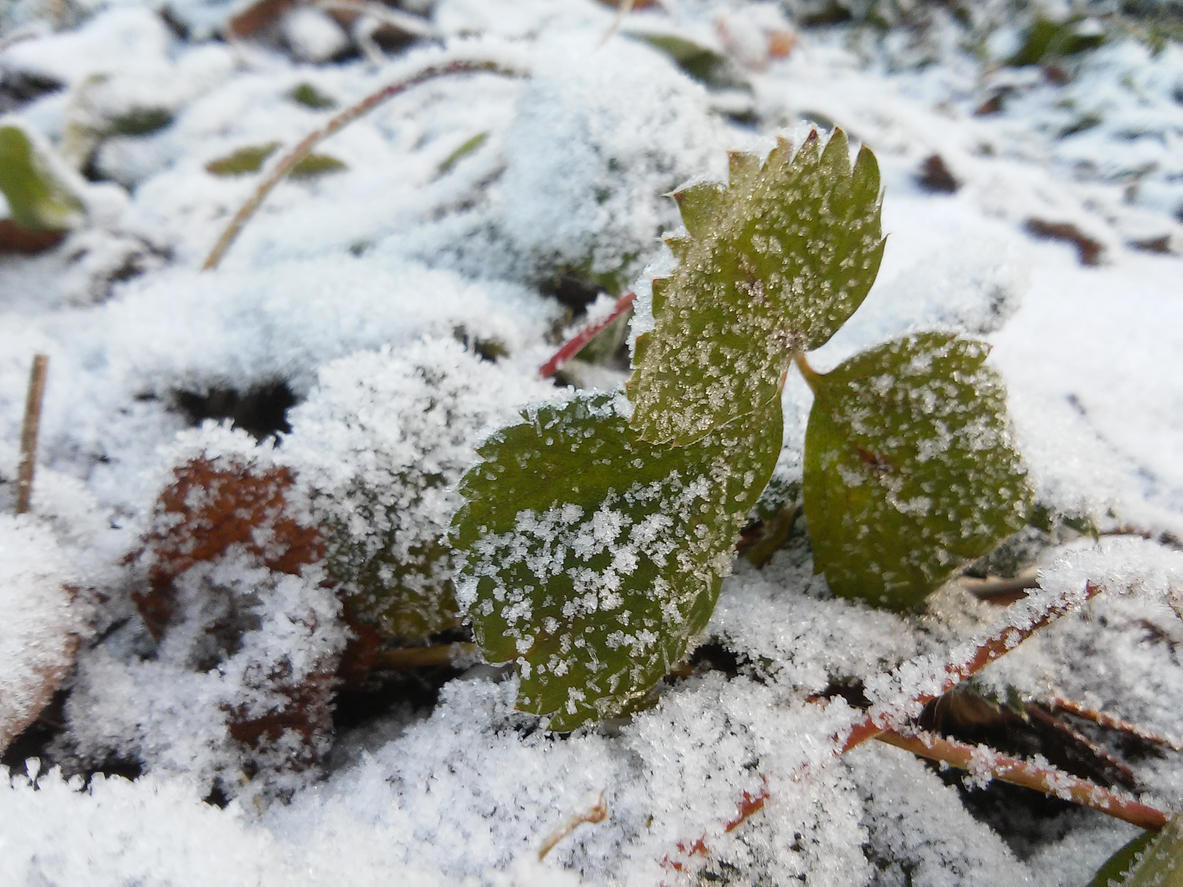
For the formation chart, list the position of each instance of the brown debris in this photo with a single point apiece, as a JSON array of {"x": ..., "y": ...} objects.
[
  {"x": 1161, "y": 245},
  {"x": 1089, "y": 250},
  {"x": 934, "y": 175},
  {"x": 207, "y": 509},
  {"x": 258, "y": 16},
  {"x": 15, "y": 239}
]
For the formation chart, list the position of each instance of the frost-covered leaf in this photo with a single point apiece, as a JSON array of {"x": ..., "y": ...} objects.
[
  {"x": 39, "y": 622},
  {"x": 213, "y": 506},
  {"x": 593, "y": 558},
  {"x": 775, "y": 263},
  {"x": 1149, "y": 860},
  {"x": 379, "y": 446},
  {"x": 1120, "y": 863},
  {"x": 36, "y": 199},
  {"x": 909, "y": 468}
]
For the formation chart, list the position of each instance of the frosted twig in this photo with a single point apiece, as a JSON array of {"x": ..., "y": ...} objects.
[
  {"x": 748, "y": 805},
  {"x": 32, "y": 424},
  {"x": 1113, "y": 723},
  {"x": 412, "y": 657},
  {"x": 1046, "y": 779},
  {"x": 994, "y": 646},
  {"x": 1119, "y": 771},
  {"x": 339, "y": 122},
  {"x": 576, "y": 343},
  {"x": 597, "y": 813},
  {"x": 1001, "y": 642}
]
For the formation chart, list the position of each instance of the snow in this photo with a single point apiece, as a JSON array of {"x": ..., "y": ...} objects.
[{"x": 404, "y": 304}]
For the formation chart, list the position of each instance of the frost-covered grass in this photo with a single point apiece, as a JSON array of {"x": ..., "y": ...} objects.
[{"x": 190, "y": 688}]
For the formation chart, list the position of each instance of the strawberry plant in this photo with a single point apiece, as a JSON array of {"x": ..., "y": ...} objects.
[{"x": 595, "y": 535}]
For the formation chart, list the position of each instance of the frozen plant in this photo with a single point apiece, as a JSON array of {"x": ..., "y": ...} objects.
[{"x": 595, "y": 535}]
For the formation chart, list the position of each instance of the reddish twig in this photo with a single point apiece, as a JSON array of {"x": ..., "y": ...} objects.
[
  {"x": 998, "y": 644},
  {"x": 575, "y": 344},
  {"x": 29, "y": 430},
  {"x": 1113, "y": 723},
  {"x": 338, "y": 122},
  {"x": 597, "y": 813},
  {"x": 1117, "y": 771},
  {"x": 748, "y": 805},
  {"x": 1046, "y": 779}
]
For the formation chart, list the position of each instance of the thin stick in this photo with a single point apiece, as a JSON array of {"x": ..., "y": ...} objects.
[
  {"x": 598, "y": 813},
  {"x": 339, "y": 122},
  {"x": 1118, "y": 771},
  {"x": 1049, "y": 780},
  {"x": 1113, "y": 723},
  {"x": 419, "y": 657},
  {"x": 748, "y": 806},
  {"x": 575, "y": 344},
  {"x": 998, "y": 644},
  {"x": 32, "y": 424}
]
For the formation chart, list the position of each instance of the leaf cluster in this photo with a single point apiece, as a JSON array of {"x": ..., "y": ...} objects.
[{"x": 595, "y": 534}]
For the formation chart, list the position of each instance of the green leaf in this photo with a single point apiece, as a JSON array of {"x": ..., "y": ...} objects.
[
  {"x": 775, "y": 263},
  {"x": 467, "y": 147},
  {"x": 140, "y": 121},
  {"x": 244, "y": 160},
  {"x": 594, "y": 559},
  {"x": 909, "y": 468},
  {"x": 710, "y": 68},
  {"x": 316, "y": 165},
  {"x": 1120, "y": 863},
  {"x": 37, "y": 201},
  {"x": 310, "y": 97},
  {"x": 1149, "y": 860}
]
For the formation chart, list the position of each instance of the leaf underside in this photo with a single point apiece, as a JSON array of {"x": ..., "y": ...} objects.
[
  {"x": 909, "y": 468},
  {"x": 774, "y": 263},
  {"x": 594, "y": 559}
]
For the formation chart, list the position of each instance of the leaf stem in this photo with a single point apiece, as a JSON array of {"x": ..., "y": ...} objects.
[
  {"x": 1113, "y": 723},
  {"x": 575, "y": 344},
  {"x": 1046, "y": 779},
  {"x": 808, "y": 373},
  {"x": 597, "y": 813},
  {"x": 335, "y": 124},
  {"x": 420, "y": 657},
  {"x": 29, "y": 430}
]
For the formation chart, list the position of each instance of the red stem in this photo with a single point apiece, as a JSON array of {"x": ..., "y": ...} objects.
[
  {"x": 1049, "y": 780},
  {"x": 1113, "y": 723},
  {"x": 575, "y": 344},
  {"x": 996, "y": 645}
]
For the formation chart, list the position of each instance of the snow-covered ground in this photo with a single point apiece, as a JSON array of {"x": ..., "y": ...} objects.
[{"x": 399, "y": 307}]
